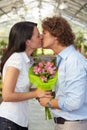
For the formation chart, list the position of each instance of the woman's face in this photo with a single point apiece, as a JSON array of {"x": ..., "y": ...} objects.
[
  {"x": 35, "y": 41},
  {"x": 48, "y": 39}
]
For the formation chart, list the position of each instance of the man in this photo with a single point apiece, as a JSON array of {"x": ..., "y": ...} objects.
[{"x": 69, "y": 107}]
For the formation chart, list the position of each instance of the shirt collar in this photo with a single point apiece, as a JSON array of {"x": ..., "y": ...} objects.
[{"x": 64, "y": 53}]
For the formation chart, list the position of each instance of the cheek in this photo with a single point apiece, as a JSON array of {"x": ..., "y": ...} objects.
[
  {"x": 37, "y": 43},
  {"x": 32, "y": 44},
  {"x": 48, "y": 41},
  {"x": 46, "y": 44}
]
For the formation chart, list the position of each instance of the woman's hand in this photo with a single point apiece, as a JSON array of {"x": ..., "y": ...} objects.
[{"x": 42, "y": 93}]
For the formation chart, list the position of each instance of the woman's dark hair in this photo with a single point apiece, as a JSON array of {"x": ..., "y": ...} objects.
[
  {"x": 18, "y": 35},
  {"x": 59, "y": 27}
]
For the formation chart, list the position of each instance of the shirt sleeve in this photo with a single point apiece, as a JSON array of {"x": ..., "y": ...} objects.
[
  {"x": 75, "y": 87},
  {"x": 15, "y": 60}
]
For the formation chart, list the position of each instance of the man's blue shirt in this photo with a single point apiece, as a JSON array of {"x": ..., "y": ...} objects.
[{"x": 71, "y": 88}]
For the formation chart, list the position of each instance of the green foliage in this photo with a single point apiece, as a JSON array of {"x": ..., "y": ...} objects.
[
  {"x": 3, "y": 44},
  {"x": 79, "y": 39},
  {"x": 85, "y": 49}
]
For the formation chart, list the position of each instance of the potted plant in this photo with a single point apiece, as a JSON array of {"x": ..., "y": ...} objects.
[
  {"x": 79, "y": 40},
  {"x": 3, "y": 46}
]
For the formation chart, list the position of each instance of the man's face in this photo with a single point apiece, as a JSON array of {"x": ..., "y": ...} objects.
[{"x": 48, "y": 39}]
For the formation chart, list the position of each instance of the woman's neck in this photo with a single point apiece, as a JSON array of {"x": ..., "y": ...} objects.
[{"x": 29, "y": 51}]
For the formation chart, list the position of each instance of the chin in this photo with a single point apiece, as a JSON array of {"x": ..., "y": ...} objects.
[
  {"x": 40, "y": 46},
  {"x": 44, "y": 47}
]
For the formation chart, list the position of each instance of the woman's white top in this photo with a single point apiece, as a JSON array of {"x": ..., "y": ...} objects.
[{"x": 17, "y": 111}]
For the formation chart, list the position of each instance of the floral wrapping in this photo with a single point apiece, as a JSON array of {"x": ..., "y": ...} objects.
[{"x": 43, "y": 74}]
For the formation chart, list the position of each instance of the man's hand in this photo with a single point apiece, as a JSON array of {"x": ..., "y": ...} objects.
[{"x": 44, "y": 101}]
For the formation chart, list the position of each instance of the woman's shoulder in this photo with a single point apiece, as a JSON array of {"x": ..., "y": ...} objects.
[
  {"x": 15, "y": 55},
  {"x": 15, "y": 60}
]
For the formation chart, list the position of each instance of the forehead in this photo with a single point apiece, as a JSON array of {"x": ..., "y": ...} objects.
[
  {"x": 46, "y": 32},
  {"x": 35, "y": 30}
]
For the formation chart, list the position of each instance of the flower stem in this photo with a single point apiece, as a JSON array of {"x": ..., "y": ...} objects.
[{"x": 48, "y": 115}]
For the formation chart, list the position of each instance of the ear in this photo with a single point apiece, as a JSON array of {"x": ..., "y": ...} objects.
[
  {"x": 27, "y": 42},
  {"x": 55, "y": 38}
]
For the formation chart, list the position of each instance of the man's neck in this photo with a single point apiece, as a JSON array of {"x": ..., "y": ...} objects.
[{"x": 58, "y": 48}]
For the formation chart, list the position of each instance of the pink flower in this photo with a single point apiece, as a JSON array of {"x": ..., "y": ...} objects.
[
  {"x": 45, "y": 70},
  {"x": 43, "y": 78},
  {"x": 51, "y": 71},
  {"x": 36, "y": 70},
  {"x": 49, "y": 64},
  {"x": 41, "y": 64}
]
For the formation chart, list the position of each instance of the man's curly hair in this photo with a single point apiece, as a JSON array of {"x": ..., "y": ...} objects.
[{"x": 59, "y": 27}]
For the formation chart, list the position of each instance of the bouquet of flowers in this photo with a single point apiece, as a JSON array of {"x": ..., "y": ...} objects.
[{"x": 43, "y": 74}]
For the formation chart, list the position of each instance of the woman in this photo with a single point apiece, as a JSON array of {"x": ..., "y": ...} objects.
[{"x": 24, "y": 38}]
